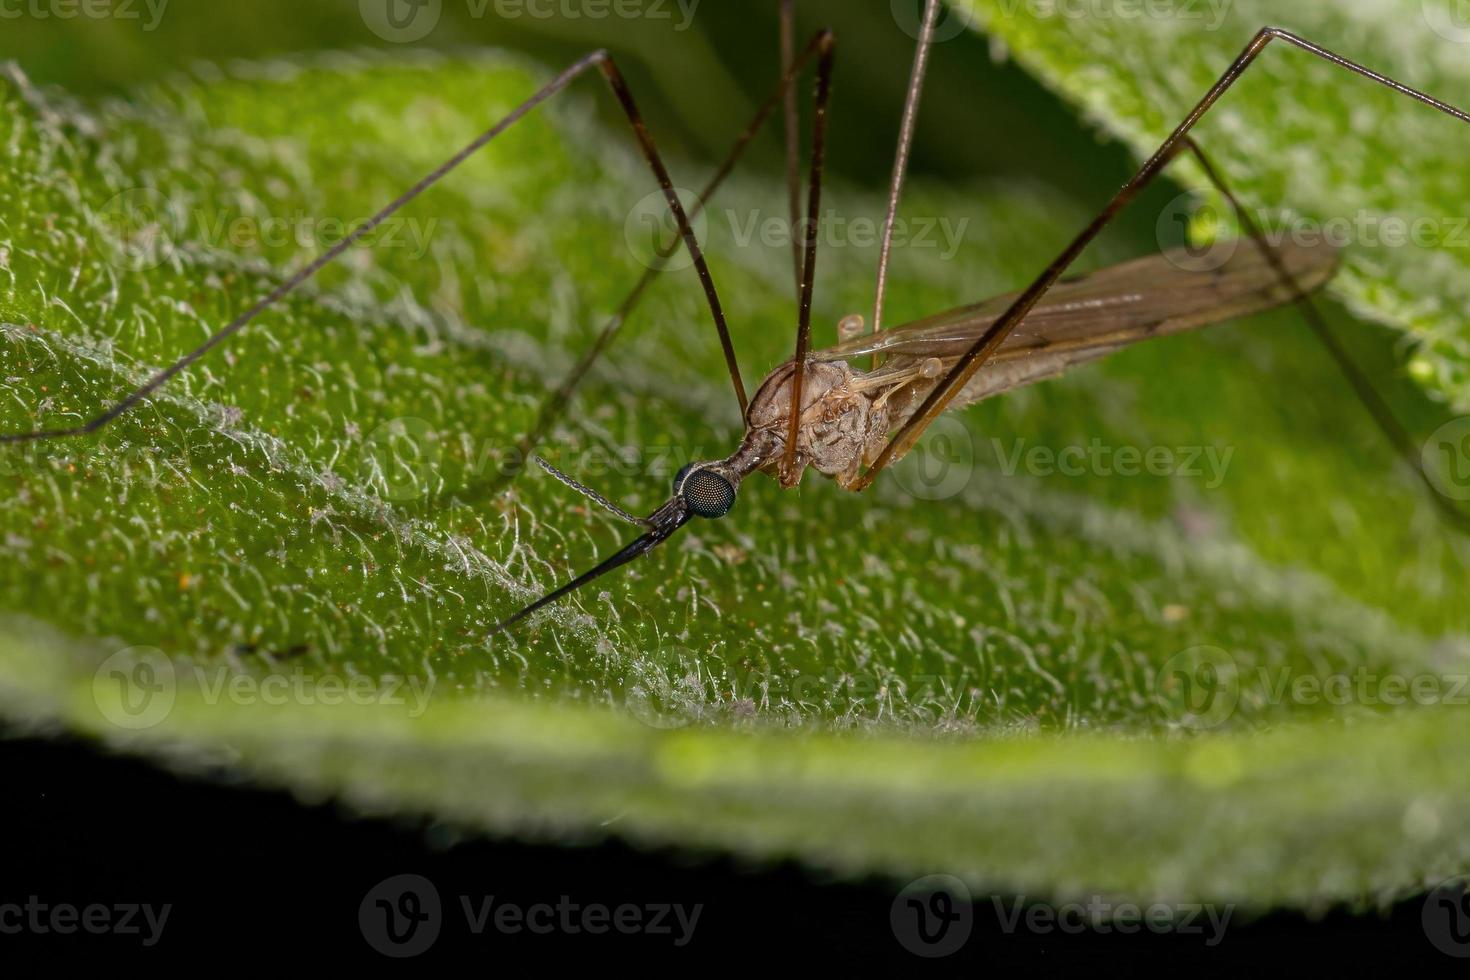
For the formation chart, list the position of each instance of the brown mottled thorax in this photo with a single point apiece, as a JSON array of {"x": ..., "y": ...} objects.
[{"x": 843, "y": 425}]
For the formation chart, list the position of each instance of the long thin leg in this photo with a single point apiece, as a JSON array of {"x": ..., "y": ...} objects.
[
  {"x": 828, "y": 48},
  {"x": 793, "y": 136},
  {"x": 901, "y": 155},
  {"x": 1393, "y": 430},
  {"x": 976, "y": 357},
  {"x": 597, "y": 59},
  {"x": 557, "y": 401}
]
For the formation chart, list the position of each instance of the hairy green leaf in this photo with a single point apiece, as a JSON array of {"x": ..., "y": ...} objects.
[{"x": 1090, "y": 637}]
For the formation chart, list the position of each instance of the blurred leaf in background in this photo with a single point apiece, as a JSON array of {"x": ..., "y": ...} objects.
[{"x": 1313, "y": 148}]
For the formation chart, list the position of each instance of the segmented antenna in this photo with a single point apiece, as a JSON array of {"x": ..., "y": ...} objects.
[{"x": 591, "y": 494}]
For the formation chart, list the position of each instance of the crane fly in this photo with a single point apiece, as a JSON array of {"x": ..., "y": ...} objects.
[
  {"x": 818, "y": 410},
  {"x": 847, "y": 414}
]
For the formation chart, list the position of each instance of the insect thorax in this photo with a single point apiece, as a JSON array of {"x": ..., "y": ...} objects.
[{"x": 842, "y": 427}]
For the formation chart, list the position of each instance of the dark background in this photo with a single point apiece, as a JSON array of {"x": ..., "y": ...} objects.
[{"x": 256, "y": 877}]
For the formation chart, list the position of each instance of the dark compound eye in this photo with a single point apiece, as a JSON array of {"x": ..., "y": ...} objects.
[{"x": 707, "y": 493}]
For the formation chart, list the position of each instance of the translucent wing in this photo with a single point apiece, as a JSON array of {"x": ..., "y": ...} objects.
[{"x": 1090, "y": 316}]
